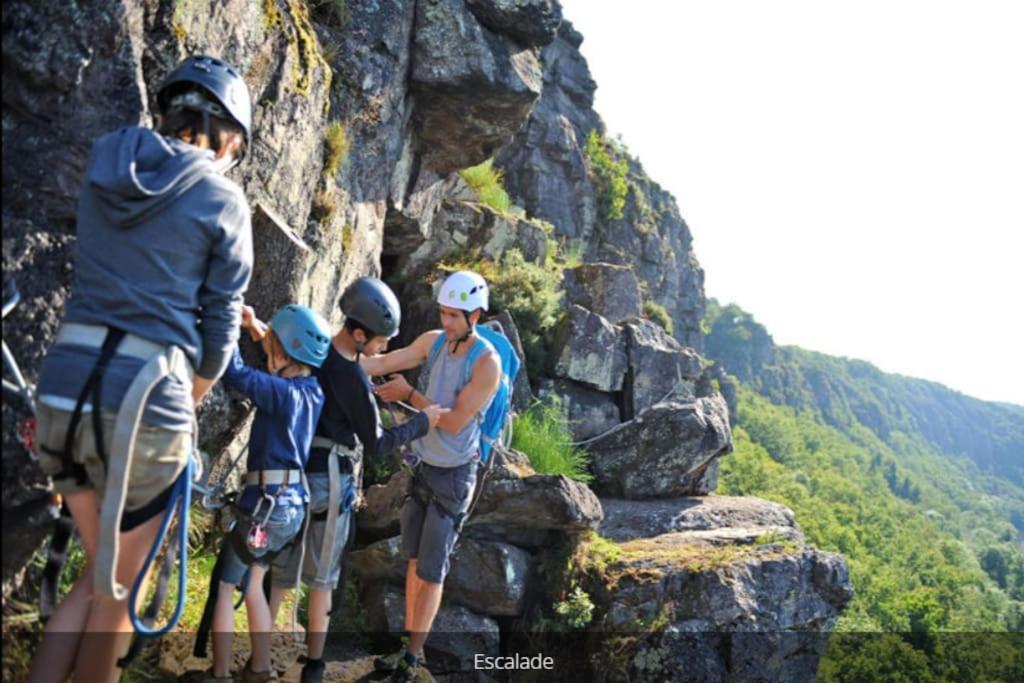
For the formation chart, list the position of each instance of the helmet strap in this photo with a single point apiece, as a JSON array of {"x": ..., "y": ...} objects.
[
  {"x": 454, "y": 346},
  {"x": 359, "y": 348}
]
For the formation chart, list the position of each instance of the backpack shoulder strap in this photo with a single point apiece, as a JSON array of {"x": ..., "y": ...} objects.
[{"x": 435, "y": 353}]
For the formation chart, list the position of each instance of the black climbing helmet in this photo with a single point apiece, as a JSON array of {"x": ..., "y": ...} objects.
[
  {"x": 219, "y": 79},
  {"x": 372, "y": 304}
]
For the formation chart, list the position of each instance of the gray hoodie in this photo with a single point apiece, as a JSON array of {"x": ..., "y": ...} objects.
[{"x": 164, "y": 251}]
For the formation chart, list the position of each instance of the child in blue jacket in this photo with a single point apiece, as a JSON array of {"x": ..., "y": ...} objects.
[{"x": 270, "y": 510}]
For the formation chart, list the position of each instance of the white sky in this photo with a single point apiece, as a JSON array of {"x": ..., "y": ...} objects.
[{"x": 852, "y": 173}]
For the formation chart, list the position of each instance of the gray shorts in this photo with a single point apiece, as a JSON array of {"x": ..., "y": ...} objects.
[
  {"x": 320, "y": 572},
  {"x": 283, "y": 527},
  {"x": 429, "y": 531}
]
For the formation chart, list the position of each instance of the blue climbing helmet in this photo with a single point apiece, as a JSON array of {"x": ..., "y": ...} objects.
[
  {"x": 304, "y": 334},
  {"x": 230, "y": 94}
]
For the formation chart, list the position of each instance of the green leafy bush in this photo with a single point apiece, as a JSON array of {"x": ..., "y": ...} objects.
[
  {"x": 577, "y": 609},
  {"x": 542, "y": 433},
  {"x": 609, "y": 166},
  {"x": 657, "y": 313},
  {"x": 486, "y": 181}
]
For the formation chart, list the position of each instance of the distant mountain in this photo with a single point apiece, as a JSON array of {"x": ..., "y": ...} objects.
[{"x": 847, "y": 392}]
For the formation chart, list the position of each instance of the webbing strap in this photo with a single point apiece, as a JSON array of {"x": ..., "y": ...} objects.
[
  {"x": 93, "y": 387},
  {"x": 126, "y": 427}
]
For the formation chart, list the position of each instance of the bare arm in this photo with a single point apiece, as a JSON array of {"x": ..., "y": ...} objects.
[
  {"x": 474, "y": 396},
  {"x": 200, "y": 386},
  {"x": 411, "y": 356}
]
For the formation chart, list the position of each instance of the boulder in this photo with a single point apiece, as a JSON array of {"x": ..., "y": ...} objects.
[
  {"x": 588, "y": 349},
  {"x": 487, "y": 577},
  {"x": 590, "y": 412},
  {"x": 516, "y": 503},
  {"x": 660, "y": 368},
  {"x": 610, "y": 291},
  {"x": 733, "y": 613},
  {"x": 529, "y": 22},
  {"x": 540, "y": 501},
  {"x": 472, "y": 89},
  {"x": 456, "y": 637},
  {"x": 663, "y": 452},
  {"x": 380, "y": 516},
  {"x": 717, "y": 520}
]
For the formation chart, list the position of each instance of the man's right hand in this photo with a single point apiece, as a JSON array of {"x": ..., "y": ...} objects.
[{"x": 434, "y": 413}]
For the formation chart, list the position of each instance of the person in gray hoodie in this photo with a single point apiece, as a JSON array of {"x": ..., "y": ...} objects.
[{"x": 162, "y": 258}]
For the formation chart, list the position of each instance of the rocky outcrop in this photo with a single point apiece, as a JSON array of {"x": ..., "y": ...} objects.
[
  {"x": 715, "y": 588},
  {"x": 529, "y": 22},
  {"x": 472, "y": 88},
  {"x": 588, "y": 349},
  {"x": 659, "y": 367},
  {"x": 612, "y": 292},
  {"x": 716, "y": 520},
  {"x": 548, "y": 173},
  {"x": 664, "y": 451},
  {"x": 487, "y": 577},
  {"x": 589, "y": 412}
]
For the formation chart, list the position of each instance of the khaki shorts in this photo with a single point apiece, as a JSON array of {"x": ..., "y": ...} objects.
[{"x": 159, "y": 457}]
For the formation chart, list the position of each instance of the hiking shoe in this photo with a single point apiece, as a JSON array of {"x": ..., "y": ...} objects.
[
  {"x": 313, "y": 672},
  {"x": 407, "y": 669},
  {"x": 389, "y": 662}
]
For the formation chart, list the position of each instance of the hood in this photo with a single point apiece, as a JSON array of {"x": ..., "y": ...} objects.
[{"x": 135, "y": 171}]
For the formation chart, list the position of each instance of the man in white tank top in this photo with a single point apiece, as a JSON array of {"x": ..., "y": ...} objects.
[{"x": 445, "y": 477}]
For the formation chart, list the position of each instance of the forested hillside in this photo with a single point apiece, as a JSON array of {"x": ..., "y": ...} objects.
[
  {"x": 933, "y": 537},
  {"x": 847, "y": 393}
]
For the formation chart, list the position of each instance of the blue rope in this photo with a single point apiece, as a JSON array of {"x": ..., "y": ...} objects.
[{"x": 182, "y": 493}]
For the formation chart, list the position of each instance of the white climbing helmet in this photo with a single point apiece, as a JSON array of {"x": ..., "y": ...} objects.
[{"x": 464, "y": 290}]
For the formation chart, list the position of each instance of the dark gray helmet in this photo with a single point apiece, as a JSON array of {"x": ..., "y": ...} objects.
[
  {"x": 225, "y": 84},
  {"x": 373, "y": 305}
]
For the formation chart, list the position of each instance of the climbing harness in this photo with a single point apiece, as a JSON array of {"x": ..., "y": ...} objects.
[
  {"x": 338, "y": 501},
  {"x": 256, "y": 539}
]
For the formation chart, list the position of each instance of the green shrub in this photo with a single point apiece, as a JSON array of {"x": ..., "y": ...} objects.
[
  {"x": 656, "y": 312},
  {"x": 529, "y": 292},
  {"x": 609, "y": 167},
  {"x": 486, "y": 181},
  {"x": 336, "y": 146},
  {"x": 542, "y": 433},
  {"x": 577, "y": 609}
]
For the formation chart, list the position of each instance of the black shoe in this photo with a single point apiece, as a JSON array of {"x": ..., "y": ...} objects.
[
  {"x": 313, "y": 671},
  {"x": 407, "y": 669}
]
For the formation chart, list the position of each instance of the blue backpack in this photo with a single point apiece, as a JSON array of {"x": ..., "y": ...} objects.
[{"x": 497, "y": 413}]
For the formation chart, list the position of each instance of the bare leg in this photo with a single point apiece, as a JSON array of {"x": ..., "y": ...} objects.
[
  {"x": 223, "y": 628},
  {"x": 59, "y": 647},
  {"x": 260, "y": 625},
  {"x": 109, "y": 628},
  {"x": 277, "y": 596},
  {"x": 316, "y": 632},
  {"x": 428, "y": 601}
]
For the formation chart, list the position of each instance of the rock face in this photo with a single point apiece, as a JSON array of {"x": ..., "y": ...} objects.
[
  {"x": 716, "y": 588},
  {"x": 472, "y": 87},
  {"x": 529, "y": 22},
  {"x": 659, "y": 367},
  {"x": 588, "y": 349},
  {"x": 487, "y": 577},
  {"x": 662, "y": 452},
  {"x": 548, "y": 173},
  {"x": 610, "y": 291},
  {"x": 711, "y": 519},
  {"x": 590, "y": 412}
]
